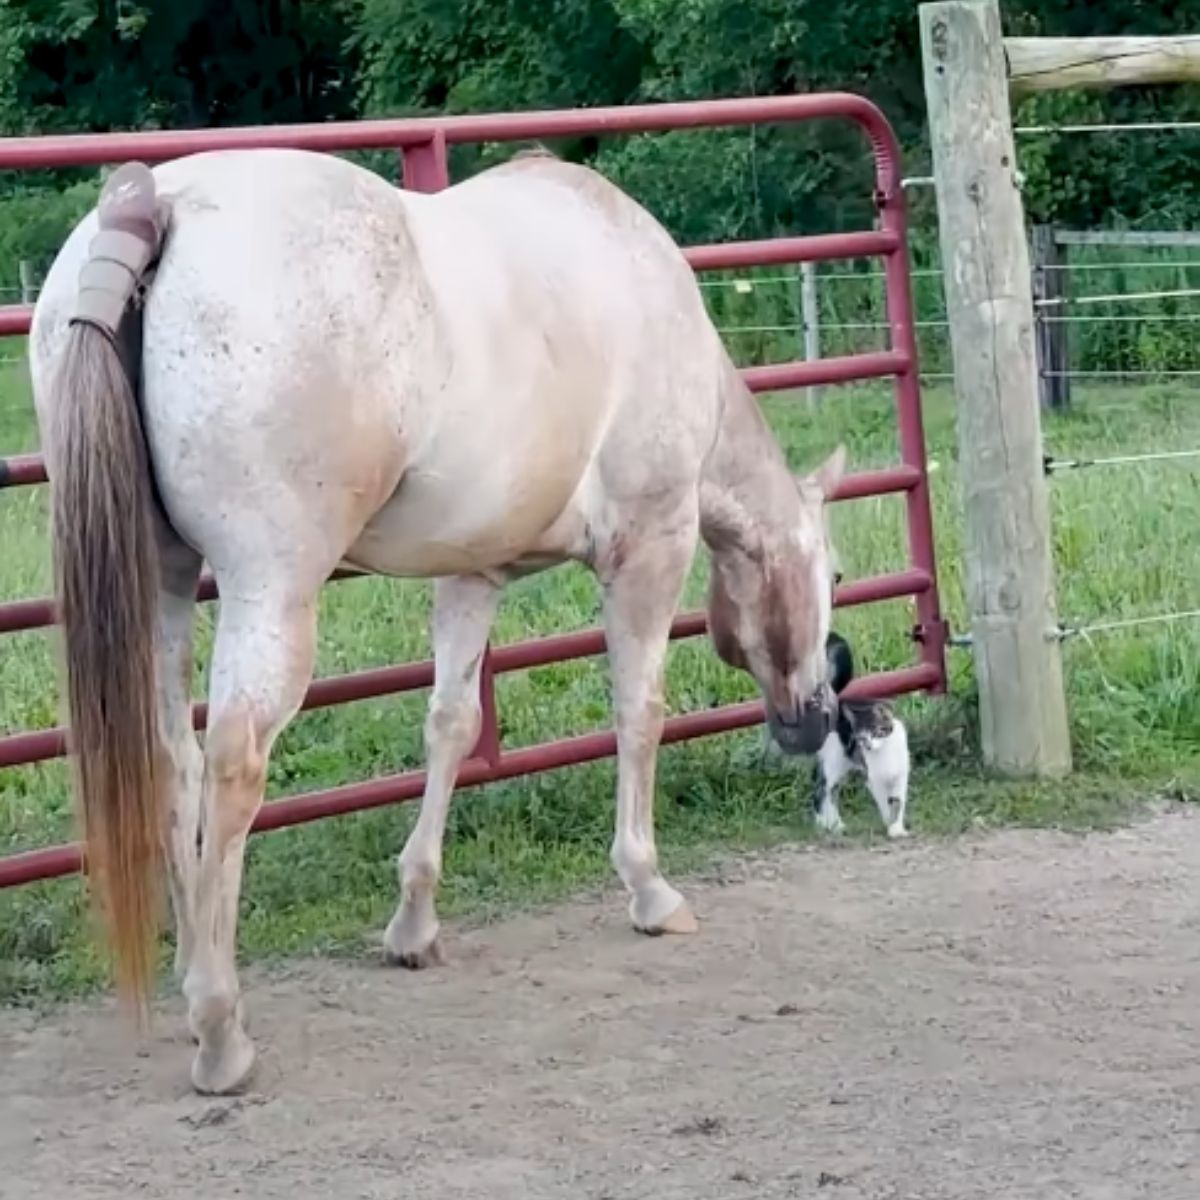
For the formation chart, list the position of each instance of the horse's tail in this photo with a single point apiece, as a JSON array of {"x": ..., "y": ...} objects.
[{"x": 106, "y": 574}]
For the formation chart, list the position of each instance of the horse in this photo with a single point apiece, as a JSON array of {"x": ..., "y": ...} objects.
[{"x": 276, "y": 362}]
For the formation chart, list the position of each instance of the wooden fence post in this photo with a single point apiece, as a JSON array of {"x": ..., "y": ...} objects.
[
  {"x": 1009, "y": 565},
  {"x": 1051, "y": 290}
]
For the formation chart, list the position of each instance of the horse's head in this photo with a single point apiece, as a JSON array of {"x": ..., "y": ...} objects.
[{"x": 770, "y": 600}]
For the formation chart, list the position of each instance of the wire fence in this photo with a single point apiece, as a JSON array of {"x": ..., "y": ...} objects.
[
  {"x": 1135, "y": 319},
  {"x": 1051, "y": 464},
  {"x": 1123, "y": 127},
  {"x": 1065, "y": 631},
  {"x": 766, "y": 314},
  {"x": 1129, "y": 316},
  {"x": 1130, "y": 319},
  {"x": 1119, "y": 297}
]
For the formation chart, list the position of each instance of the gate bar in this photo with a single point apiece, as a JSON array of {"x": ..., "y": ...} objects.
[
  {"x": 41, "y": 745},
  {"x": 56, "y": 861},
  {"x": 423, "y": 145},
  {"x": 18, "y": 616}
]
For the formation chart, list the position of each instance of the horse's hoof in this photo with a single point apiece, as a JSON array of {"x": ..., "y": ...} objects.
[
  {"x": 680, "y": 920},
  {"x": 415, "y": 960},
  {"x": 412, "y": 940},
  {"x": 897, "y": 831},
  {"x": 227, "y": 1071}
]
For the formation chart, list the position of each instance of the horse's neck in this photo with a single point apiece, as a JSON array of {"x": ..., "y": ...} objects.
[{"x": 746, "y": 466}]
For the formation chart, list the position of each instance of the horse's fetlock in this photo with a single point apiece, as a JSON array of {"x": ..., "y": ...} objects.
[{"x": 420, "y": 873}]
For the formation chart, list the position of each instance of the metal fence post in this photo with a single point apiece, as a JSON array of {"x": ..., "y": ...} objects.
[{"x": 1051, "y": 287}]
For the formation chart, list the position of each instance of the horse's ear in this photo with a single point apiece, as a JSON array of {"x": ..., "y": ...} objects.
[{"x": 829, "y": 474}]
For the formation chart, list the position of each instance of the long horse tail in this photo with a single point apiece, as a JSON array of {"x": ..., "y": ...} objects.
[{"x": 106, "y": 575}]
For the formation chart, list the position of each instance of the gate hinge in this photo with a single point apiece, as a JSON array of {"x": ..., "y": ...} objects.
[{"x": 933, "y": 633}]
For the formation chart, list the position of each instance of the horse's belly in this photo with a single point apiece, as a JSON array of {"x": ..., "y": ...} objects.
[{"x": 437, "y": 524}]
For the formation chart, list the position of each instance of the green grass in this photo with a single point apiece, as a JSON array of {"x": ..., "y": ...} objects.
[{"x": 1126, "y": 542}]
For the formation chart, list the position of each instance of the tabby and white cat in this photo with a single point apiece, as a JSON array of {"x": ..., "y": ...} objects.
[{"x": 867, "y": 737}]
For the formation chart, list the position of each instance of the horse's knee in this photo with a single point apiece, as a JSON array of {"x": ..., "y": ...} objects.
[
  {"x": 639, "y": 725},
  {"x": 236, "y": 765},
  {"x": 453, "y": 722}
]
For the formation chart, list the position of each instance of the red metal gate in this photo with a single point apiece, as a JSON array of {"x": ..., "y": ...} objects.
[{"x": 422, "y": 144}]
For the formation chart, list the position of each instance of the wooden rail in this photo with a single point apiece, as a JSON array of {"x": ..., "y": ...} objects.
[{"x": 1052, "y": 64}]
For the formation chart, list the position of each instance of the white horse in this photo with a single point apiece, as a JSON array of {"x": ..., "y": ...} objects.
[{"x": 278, "y": 363}]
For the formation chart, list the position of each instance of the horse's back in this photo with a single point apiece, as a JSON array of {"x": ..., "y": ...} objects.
[
  {"x": 582, "y": 267},
  {"x": 585, "y": 367},
  {"x": 451, "y": 372}
]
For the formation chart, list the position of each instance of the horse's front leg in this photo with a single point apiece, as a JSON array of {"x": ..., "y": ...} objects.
[
  {"x": 641, "y": 595},
  {"x": 464, "y": 608}
]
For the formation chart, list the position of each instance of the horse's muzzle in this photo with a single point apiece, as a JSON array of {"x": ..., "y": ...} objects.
[{"x": 803, "y": 731}]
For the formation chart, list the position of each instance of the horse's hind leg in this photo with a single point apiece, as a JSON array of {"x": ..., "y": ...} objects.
[
  {"x": 262, "y": 663},
  {"x": 180, "y": 570},
  {"x": 641, "y": 595},
  {"x": 463, "y": 611}
]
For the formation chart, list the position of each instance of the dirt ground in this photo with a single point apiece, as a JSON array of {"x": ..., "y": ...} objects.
[{"x": 1000, "y": 1017}]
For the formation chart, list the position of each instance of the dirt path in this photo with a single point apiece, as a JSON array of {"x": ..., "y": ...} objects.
[{"x": 1011, "y": 1017}]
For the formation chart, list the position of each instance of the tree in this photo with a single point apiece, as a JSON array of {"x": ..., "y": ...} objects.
[{"x": 113, "y": 64}]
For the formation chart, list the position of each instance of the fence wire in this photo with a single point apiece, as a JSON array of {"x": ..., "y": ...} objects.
[
  {"x": 1118, "y": 373},
  {"x": 1119, "y": 264},
  {"x": 1065, "y": 632},
  {"x": 1126, "y": 127},
  {"x": 1051, "y": 464},
  {"x": 1117, "y": 297}
]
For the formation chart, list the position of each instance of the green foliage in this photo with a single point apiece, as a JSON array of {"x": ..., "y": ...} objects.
[
  {"x": 1084, "y": 181},
  {"x": 34, "y": 222},
  {"x": 116, "y": 64},
  {"x": 108, "y": 64},
  {"x": 479, "y": 55},
  {"x": 483, "y": 55},
  {"x": 94, "y": 65}
]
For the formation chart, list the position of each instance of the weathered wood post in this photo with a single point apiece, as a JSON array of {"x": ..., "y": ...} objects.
[
  {"x": 1051, "y": 289},
  {"x": 1009, "y": 565}
]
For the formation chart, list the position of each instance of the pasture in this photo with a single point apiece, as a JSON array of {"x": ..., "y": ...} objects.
[
  {"x": 1002, "y": 1016},
  {"x": 1126, "y": 544}
]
